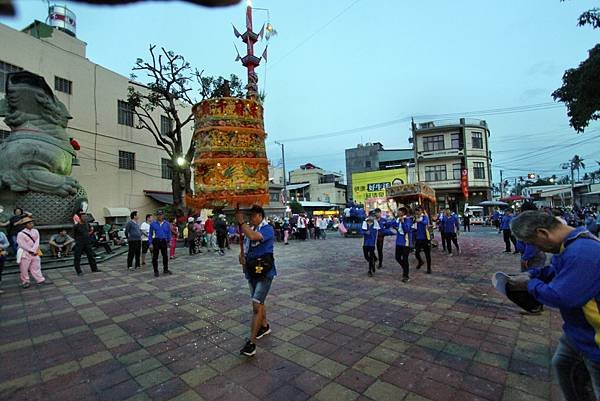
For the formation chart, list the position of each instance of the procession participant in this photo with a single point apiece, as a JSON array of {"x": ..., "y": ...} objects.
[
  {"x": 571, "y": 284},
  {"x": 4, "y": 245},
  {"x": 221, "y": 230},
  {"x": 451, "y": 229},
  {"x": 28, "y": 240},
  {"x": 505, "y": 228},
  {"x": 159, "y": 237},
  {"x": 191, "y": 236},
  {"x": 174, "y": 237},
  {"x": 259, "y": 239},
  {"x": 133, "y": 234},
  {"x": 423, "y": 238},
  {"x": 370, "y": 230},
  {"x": 404, "y": 240},
  {"x": 287, "y": 228},
  {"x": 301, "y": 224},
  {"x": 323, "y": 224}
]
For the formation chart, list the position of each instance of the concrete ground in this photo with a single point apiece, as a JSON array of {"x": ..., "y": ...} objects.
[{"x": 337, "y": 334}]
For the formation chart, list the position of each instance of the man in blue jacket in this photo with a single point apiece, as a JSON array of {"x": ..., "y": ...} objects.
[
  {"x": 381, "y": 233},
  {"x": 423, "y": 238},
  {"x": 506, "y": 232},
  {"x": 370, "y": 232},
  {"x": 451, "y": 228},
  {"x": 259, "y": 238},
  {"x": 159, "y": 238},
  {"x": 404, "y": 240},
  {"x": 571, "y": 284}
]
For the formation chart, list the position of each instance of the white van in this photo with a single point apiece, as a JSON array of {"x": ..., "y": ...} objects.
[{"x": 476, "y": 213}]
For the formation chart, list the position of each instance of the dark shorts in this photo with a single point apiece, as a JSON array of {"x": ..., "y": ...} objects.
[
  {"x": 259, "y": 288},
  {"x": 144, "y": 247}
]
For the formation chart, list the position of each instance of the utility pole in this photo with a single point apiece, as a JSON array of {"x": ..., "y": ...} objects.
[
  {"x": 283, "y": 161},
  {"x": 501, "y": 185}
]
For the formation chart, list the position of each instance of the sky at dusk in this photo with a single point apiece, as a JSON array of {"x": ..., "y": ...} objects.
[{"x": 343, "y": 72}]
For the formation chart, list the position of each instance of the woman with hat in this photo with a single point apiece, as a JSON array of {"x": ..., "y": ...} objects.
[{"x": 28, "y": 240}]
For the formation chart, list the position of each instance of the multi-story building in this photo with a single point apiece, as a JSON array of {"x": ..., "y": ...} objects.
[
  {"x": 373, "y": 157},
  {"x": 444, "y": 151},
  {"x": 121, "y": 168},
  {"x": 312, "y": 183}
]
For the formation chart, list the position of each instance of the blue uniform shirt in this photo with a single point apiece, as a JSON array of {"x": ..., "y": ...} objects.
[
  {"x": 159, "y": 231},
  {"x": 505, "y": 222},
  {"x": 572, "y": 284},
  {"x": 422, "y": 231},
  {"x": 369, "y": 235},
  {"x": 255, "y": 249},
  {"x": 404, "y": 235},
  {"x": 450, "y": 224}
]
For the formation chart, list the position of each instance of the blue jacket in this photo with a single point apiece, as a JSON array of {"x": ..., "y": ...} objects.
[
  {"x": 450, "y": 224},
  {"x": 572, "y": 284},
  {"x": 383, "y": 228},
  {"x": 530, "y": 253},
  {"x": 404, "y": 235},
  {"x": 255, "y": 249},
  {"x": 496, "y": 215},
  {"x": 159, "y": 231},
  {"x": 369, "y": 236},
  {"x": 422, "y": 231},
  {"x": 133, "y": 231},
  {"x": 505, "y": 222}
]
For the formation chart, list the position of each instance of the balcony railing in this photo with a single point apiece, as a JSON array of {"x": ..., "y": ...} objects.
[{"x": 450, "y": 122}]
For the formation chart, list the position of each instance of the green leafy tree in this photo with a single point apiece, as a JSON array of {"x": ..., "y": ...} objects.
[
  {"x": 296, "y": 207},
  {"x": 162, "y": 106},
  {"x": 581, "y": 87},
  {"x": 577, "y": 164}
]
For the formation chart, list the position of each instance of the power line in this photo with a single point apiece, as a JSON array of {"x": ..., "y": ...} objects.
[
  {"x": 315, "y": 33},
  {"x": 496, "y": 111}
]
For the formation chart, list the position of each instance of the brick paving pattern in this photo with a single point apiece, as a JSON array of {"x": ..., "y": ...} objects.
[{"x": 337, "y": 334}]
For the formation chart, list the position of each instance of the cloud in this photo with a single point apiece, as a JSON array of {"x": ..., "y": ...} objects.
[
  {"x": 548, "y": 68},
  {"x": 534, "y": 94}
]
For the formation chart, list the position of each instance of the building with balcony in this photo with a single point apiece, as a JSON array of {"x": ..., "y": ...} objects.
[
  {"x": 444, "y": 150},
  {"x": 373, "y": 157},
  {"x": 312, "y": 183}
]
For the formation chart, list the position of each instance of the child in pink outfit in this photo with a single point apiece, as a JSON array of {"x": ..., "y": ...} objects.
[
  {"x": 174, "y": 236},
  {"x": 28, "y": 240}
]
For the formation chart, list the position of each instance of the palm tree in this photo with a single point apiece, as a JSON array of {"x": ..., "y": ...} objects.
[{"x": 576, "y": 164}]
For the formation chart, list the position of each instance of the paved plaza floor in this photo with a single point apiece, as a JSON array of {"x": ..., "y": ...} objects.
[{"x": 337, "y": 334}]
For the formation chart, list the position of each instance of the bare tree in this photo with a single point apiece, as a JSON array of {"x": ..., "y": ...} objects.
[{"x": 170, "y": 90}]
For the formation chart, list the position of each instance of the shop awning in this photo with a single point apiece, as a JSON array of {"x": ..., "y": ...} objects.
[
  {"x": 293, "y": 187},
  {"x": 318, "y": 204},
  {"x": 116, "y": 212},
  {"x": 161, "y": 196}
]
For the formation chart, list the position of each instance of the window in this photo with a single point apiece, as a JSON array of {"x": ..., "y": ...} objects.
[
  {"x": 456, "y": 170},
  {"x": 125, "y": 113},
  {"x": 5, "y": 68},
  {"x": 4, "y": 135},
  {"x": 63, "y": 85},
  {"x": 166, "y": 125},
  {"x": 166, "y": 169},
  {"x": 455, "y": 141},
  {"x": 435, "y": 173},
  {"x": 477, "y": 140},
  {"x": 433, "y": 143},
  {"x": 126, "y": 160},
  {"x": 479, "y": 171},
  {"x": 368, "y": 164}
]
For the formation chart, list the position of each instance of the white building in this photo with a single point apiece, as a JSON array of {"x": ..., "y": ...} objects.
[{"x": 121, "y": 167}]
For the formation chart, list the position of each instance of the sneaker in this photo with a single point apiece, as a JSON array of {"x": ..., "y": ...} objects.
[
  {"x": 370, "y": 273},
  {"x": 419, "y": 265},
  {"x": 156, "y": 274},
  {"x": 45, "y": 282},
  {"x": 405, "y": 279},
  {"x": 25, "y": 285},
  {"x": 428, "y": 271},
  {"x": 79, "y": 273},
  {"x": 168, "y": 272},
  {"x": 263, "y": 331},
  {"x": 97, "y": 271},
  {"x": 249, "y": 349}
]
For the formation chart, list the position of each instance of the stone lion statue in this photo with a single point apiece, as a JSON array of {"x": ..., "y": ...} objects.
[{"x": 37, "y": 155}]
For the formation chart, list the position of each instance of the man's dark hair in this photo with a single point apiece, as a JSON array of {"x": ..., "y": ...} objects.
[
  {"x": 148, "y": 215},
  {"x": 378, "y": 210},
  {"x": 17, "y": 208},
  {"x": 257, "y": 209},
  {"x": 528, "y": 206},
  {"x": 403, "y": 210},
  {"x": 133, "y": 214},
  {"x": 525, "y": 225}
]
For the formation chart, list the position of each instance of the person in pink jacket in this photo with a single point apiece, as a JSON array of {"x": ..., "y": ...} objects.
[{"x": 28, "y": 240}]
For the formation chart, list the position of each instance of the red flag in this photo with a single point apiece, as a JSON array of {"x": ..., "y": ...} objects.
[
  {"x": 264, "y": 54},
  {"x": 464, "y": 182}
]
